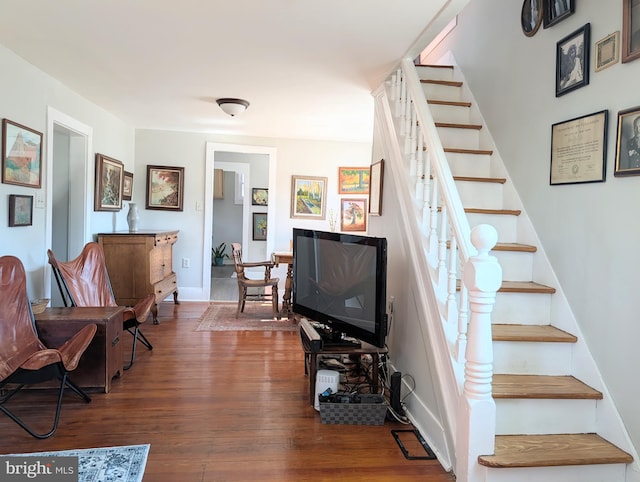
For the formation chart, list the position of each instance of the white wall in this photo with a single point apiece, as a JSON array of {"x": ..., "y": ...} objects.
[{"x": 589, "y": 231}]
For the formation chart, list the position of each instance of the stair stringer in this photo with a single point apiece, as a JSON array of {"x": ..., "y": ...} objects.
[{"x": 608, "y": 421}]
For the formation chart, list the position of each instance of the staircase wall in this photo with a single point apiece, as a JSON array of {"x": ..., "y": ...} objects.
[{"x": 583, "y": 228}]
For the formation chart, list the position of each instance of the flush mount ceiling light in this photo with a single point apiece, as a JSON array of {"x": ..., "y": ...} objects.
[{"x": 232, "y": 106}]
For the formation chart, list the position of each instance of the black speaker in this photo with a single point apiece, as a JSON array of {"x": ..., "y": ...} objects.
[{"x": 396, "y": 380}]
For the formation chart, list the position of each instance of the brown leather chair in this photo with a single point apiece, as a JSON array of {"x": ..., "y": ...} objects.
[
  {"x": 24, "y": 359},
  {"x": 84, "y": 281},
  {"x": 259, "y": 287}
]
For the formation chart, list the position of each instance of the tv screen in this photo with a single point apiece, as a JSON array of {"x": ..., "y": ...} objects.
[{"x": 340, "y": 280}]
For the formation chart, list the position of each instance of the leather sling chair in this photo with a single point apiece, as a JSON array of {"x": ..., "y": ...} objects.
[
  {"x": 245, "y": 283},
  {"x": 84, "y": 281},
  {"x": 24, "y": 359}
]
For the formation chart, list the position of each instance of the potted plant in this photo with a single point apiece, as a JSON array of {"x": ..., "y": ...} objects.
[{"x": 219, "y": 253}]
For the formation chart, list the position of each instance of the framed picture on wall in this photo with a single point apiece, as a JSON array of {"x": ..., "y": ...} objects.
[
  {"x": 375, "y": 189},
  {"x": 21, "y": 155},
  {"x": 165, "y": 188},
  {"x": 127, "y": 186},
  {"x": 308, "y": 197},
  {"x": 630, "y": 30},
  {"x": 628, "y": 143},
  {"x": 109, "y": 181},
  {"x": 606, "y": 51},
  {"x": 259, "y": 196},
  {"x": 353, "y": 214},
  {"x": 20, "y": 210},
  {"x": 572, "y": 61},
  {"x": 531, "y": 17},
  {"x": 557, "y": 10},
  {"x": 259, "y": 226},
  {"x": 353, "y": 180}
]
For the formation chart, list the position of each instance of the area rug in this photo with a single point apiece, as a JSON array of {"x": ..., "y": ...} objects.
[
  {"x": 256, "y": 317},
  {"x": 105, "y": 464}
]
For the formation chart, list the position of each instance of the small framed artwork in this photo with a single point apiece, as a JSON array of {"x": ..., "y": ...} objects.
[
  {"x": 572, "y": 61},
  {"x": 375, "y": 189},
  {"x": 127, "y": 186},
  {"x": 259, "y": 226},
  {"x": 630, "y": 30},
  {"x": 606, "y": 51},
  {"x": 353, "y": 214},
  {"x": 628, "y": 143},
  {"x": 165, "y": 188},
  {"x": 579, "y": 149},
  {"x": 20, "y": 210},
  {"x": 353, "y": 180},
  {"x": 557, "y": 10},
  {"x": 21, "y": 155},
  {"x": 531, "y": 17},
  {"x": 109, "y": 180},
  {"x": 259, "y": 196},
  {"x": 308, "y": 197}
]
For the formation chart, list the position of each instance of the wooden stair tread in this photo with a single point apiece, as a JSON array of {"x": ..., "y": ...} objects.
[
  {"x": 521, "y": 287},
  {"x": 435, "y": 66},
  {"x": 553, "y": 450},
  {"x": 453, "y": 103},
  {"x": 482, "y": 152},
  {"x": 512, "y": 212},
  {"x": 451, "y": 83},
  {"x": 527, "y": 248},
  {"x": 531, "y": 333},
  {"x": 542, "y": 386},
  {"x": 497, "y": 180},
  {"x": 453, "y": 125}
]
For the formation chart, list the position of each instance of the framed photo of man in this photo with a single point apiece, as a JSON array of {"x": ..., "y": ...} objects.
[
  {"x": 572, "y": 61},
  {"x": 628, "y": 143},
  {"x": 557, "y": 10}
]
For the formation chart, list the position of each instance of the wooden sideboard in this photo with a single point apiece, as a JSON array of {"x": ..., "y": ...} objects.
[{"x": 140, "y": 263}]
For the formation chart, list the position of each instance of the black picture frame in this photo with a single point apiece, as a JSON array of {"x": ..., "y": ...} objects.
[
  {"x": 572, "y": 61},
  {"x": 630, "y": 31},
  {"x": 628, "y": 143},
  {"x": 259, "y": 196},
  {"x": 127, "y": 186},
  {"x": 531, "y": 17},
  {"x": 20, "y": 210},
  {"x": 260, "y": 226},
  {"x": 556, "y": 11}
]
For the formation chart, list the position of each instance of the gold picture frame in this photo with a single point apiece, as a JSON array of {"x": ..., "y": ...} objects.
[
  {"x": 308, "y": 197},
  {"x": 606, "y": 51},
  {"x": 109, "y": 180}
]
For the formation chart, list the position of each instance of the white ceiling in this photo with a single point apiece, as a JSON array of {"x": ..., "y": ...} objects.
[{"x": 307, "y": 67}]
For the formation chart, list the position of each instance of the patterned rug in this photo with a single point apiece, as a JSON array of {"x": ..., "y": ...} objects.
[
  {"x": 105, "y": 464},
  {"x": 257, "y": 316}
]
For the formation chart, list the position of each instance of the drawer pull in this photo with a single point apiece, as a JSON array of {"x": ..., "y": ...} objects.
[{"x": 115, "y": 341}]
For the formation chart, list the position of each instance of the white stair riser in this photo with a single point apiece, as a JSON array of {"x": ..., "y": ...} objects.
[
  {"x": 505, "y": 224},
  {"x": 471, "y": 165},
  {"x": 459, "y": 138},
  {"x": 516, "y": 265},
  {"x": 485, "y": 195},
  {"x": 450, "y": 113},
  {"x": 434, "y": 73},
  {"x": 569, "y": 473},
  {"x": 532, "y": 358},
  {"x": 522, "y": 309},
  {"x": 441, "y": 92},
  {"x": 542, "y": 416}
]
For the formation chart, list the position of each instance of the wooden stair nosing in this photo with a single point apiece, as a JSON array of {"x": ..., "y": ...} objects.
[
  {"x": 452, "y": 103},
  {"x": 531, "y": 333},
  {"x": 450, "y": 83},
  {"x": 496, "y": 180},
  {"x": 453, "y": 125},
  {"x": 553, "y": 450},
  {"x": 434, "y": 66},
  {"x": 562, "y": 387},
  {"x": 526, "y": 248},
  {"x": 510, "y": 212},
  {"x": 521, "y": 287},
  {"x": 481, "y": 152}
]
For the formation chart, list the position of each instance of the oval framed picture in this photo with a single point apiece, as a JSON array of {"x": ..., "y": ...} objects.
[{"x": 531, "y": 17}]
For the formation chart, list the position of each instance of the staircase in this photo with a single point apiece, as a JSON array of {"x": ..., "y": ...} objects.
[{"x": 547, "y": 419}]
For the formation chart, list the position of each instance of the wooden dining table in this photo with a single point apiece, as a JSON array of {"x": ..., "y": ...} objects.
[{"x": 285, "y": 257}]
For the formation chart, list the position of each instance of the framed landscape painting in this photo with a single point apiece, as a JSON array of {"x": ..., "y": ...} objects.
[
  {"x": 308, "y": 197},
  {"x": 353, "y": 180},
  {"x": 20, "y": 210},
  {"x": 21, "y": 155},
  {"x": 109, "y": 181},
  {"x": 353, "y": 214},
  {"x": 165, "y": 188}
]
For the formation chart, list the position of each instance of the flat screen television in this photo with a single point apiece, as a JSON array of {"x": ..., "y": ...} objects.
[{"x": 340, "y": 281}]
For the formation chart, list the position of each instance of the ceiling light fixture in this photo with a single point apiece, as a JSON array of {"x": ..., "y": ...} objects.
[{"x": 232, "y": 106}]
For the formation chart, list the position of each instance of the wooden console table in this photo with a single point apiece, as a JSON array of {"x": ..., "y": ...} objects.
[
  {"x": 310, "y": 339},
  {"x": 102, "y": 360},
  {"x": 278, "y": 258},
  {"x": 139, "y": 264}
]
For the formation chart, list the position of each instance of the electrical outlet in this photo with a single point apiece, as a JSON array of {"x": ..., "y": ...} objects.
[{"x": 186, "y": 262}]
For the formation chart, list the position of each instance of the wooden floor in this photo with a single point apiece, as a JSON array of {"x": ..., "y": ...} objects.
[{"x": 219, "y": 406}]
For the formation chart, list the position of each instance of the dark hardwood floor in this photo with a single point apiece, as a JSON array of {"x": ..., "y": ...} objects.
[{"x": 219, "y": 406}]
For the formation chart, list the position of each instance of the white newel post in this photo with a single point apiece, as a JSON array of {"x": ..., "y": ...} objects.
[{"x": 482, "y": 275}]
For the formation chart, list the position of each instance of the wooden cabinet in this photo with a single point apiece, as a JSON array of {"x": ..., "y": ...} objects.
[
  {"x": 218, "y": 184},
  {"x": 140, "y": 263}
]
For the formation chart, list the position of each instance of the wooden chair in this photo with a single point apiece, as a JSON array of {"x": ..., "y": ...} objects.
[
  {"x": 24, "y": 359},
  {"x": 84, "y": 281},
  {"x": 245, "y": 283}
]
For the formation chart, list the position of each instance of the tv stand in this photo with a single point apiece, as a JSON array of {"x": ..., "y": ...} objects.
[{"x": 313, "y": 345}]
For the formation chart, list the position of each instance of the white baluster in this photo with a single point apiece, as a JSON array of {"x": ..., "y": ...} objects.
[
  {"x": 463, "y": 318},
  {"x": 398, "y": 88},
  {"x": 442, "y": 246},
  {"x": 452, "y": 288},
  {"x": 433, "y": 233},
  {"x": 403, "y": 106}
]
